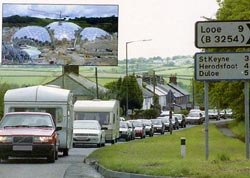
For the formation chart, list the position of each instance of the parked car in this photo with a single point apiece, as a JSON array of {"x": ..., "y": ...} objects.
[
  {"x": 125, "y": 132},
  {"x": 158, "y": 125},
  {"x": 175, "y": 123},
  {"x": 165, "y": 120},
  {"x": 226, "y": 113},
  {"x": 139, "y": 128},
  {"x": 28, "y": 134},
  {"x": 88, "y": 132},
  {"x": 213, "y": 114},
  {"x": 148, "y": 127},
  {"x": 182, "y": 120},
  {"x": 194, "y": 118}
]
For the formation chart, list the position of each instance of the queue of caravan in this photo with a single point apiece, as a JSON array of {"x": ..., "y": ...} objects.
[
  {"x": 51, "y": 99},
  {"x": 59, "y": 103}
]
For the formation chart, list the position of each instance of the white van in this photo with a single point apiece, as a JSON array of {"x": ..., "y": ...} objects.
[
  {"x": 106, "y": 112},
  {"x": 51, "y": 99}
]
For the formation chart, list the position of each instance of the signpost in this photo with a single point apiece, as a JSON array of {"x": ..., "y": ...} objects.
[
  {"x": 214, "y": 34},
  {"x": 223, "y": 66}
]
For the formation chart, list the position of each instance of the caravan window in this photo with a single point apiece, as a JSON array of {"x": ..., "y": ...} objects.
[
  {"x": 57, "y": 113},
  {"x": 102, "y": 117}
]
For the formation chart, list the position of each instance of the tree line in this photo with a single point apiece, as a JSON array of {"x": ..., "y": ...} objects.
[{"x": 109, "y": 24}]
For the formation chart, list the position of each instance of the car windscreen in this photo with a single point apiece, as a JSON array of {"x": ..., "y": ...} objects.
[
  {"x": 194, "y": 114},
  {"x": 26, "y": 120},
  {"x": 137, "y": 123},
  {"x": 157, "y": 121},
  {"x": 102, "y": 117},
  {"x": 86, "y": 125},
  {"x": 123, "y": 125}
]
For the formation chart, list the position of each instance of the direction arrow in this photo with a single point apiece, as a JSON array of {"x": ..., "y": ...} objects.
[
  {"x": 215, "y": 34},
  {"x": 248, "y": 25}
]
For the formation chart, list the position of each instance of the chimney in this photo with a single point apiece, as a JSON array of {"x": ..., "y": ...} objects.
[
  {"x": 71, "y": 69},
  {"x": 173, "y": 79}
]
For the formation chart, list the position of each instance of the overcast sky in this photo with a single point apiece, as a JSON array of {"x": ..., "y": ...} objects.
[{"x": 169, "y": 23}]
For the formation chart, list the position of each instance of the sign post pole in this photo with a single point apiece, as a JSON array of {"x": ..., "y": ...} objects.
[
  {"x": 247, "y": 118},
  {"x": 206, "y": 119}
]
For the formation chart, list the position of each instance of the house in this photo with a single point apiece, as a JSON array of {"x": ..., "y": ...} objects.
[
  {"x": 81, "y": 87},
  {"x": 170, "y": 94}
]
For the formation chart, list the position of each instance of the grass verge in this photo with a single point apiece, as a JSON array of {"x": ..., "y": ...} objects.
[{"x": 160, "y": 156}]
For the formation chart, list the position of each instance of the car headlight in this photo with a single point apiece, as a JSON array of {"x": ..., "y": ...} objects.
[
  {"x": 5, "y": 139},
  {"x": 42, "y": 139}
]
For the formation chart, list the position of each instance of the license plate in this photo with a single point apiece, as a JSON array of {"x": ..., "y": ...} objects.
[
  {"x": 83, "y": 138},
  {"x": 22, "y": 148}
]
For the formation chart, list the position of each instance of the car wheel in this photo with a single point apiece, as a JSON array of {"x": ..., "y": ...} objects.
[
  {"x": 4, "y": 158},
  {"x": 66, "y": 152},
  {"x": 52, "y": 157},
  {"x": 56, "y": 155},
  {"x": 103, "y": 144}
]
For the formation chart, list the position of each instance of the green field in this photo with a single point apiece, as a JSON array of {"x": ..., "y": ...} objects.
[
  {"x": 160, "y": 156},
  {"x": 39, "y": 75}
]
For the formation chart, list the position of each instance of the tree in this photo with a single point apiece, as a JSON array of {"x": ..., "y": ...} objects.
[{"x": 118, "y": 90}]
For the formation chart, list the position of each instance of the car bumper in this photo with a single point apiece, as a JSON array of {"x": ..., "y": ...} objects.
[
  {"x": 194, "y": 121},
  {"x": 138, "y": 134},
  {"x": 86, "y": 140},
  {"x": 35, "y": 150},
  {"x": 158, "y": 130},
  {"x": 124, "y": 135}
]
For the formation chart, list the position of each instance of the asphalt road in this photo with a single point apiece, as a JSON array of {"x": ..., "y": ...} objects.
[{"x": 71, "y": 166}]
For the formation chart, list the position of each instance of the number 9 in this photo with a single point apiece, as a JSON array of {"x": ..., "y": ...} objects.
[{"x": 240, "y": 28}]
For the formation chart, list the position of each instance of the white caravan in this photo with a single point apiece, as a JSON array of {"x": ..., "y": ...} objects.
[
  {"x": 107, "y": 112},
  {"x": 51, "y": 99}
]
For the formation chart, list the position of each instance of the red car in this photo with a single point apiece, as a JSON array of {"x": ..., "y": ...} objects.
[
  {"x": 28, "y": 134},
  {"x": 139, "y": 128}
]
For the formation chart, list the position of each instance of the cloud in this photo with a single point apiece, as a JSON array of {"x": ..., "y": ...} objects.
[{"x": 55, "y": 11}]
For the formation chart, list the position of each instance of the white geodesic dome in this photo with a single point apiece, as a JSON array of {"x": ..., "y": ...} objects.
[
  {"x": 63, "y": 30},
  {"x": 35, "y": 33},
  {"x": 91, "y": 33}
]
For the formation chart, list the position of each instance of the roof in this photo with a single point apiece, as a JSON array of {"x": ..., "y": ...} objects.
[
  {"x": 95, "y": 105},
  {"x": 79, "y": 85},
  {"x": 158, "y": 91},
  {"x": 177, "y": 87},
  {"x": 37, "y": 93},
  {"x": 175, "y": 92}
]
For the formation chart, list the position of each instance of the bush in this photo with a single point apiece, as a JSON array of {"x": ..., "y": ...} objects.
[{"x": 151, "y": 113}]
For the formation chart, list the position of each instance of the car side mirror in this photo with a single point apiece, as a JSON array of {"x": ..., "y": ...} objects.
[{"x": 104, "y": 128}]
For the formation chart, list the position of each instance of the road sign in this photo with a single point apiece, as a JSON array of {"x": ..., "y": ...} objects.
[
  {"x": 222, "y": 66},
  {"x": 214, "y": 34}
]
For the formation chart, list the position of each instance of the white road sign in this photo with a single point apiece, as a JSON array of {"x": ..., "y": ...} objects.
[
  {"x": 222, "y": 66},
  {"x": 213, "y": 34}
]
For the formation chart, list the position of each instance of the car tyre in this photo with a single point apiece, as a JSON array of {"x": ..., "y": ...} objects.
[
  {"x": 66, "y": 152},
  {"x": 52, "y": 157}
]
